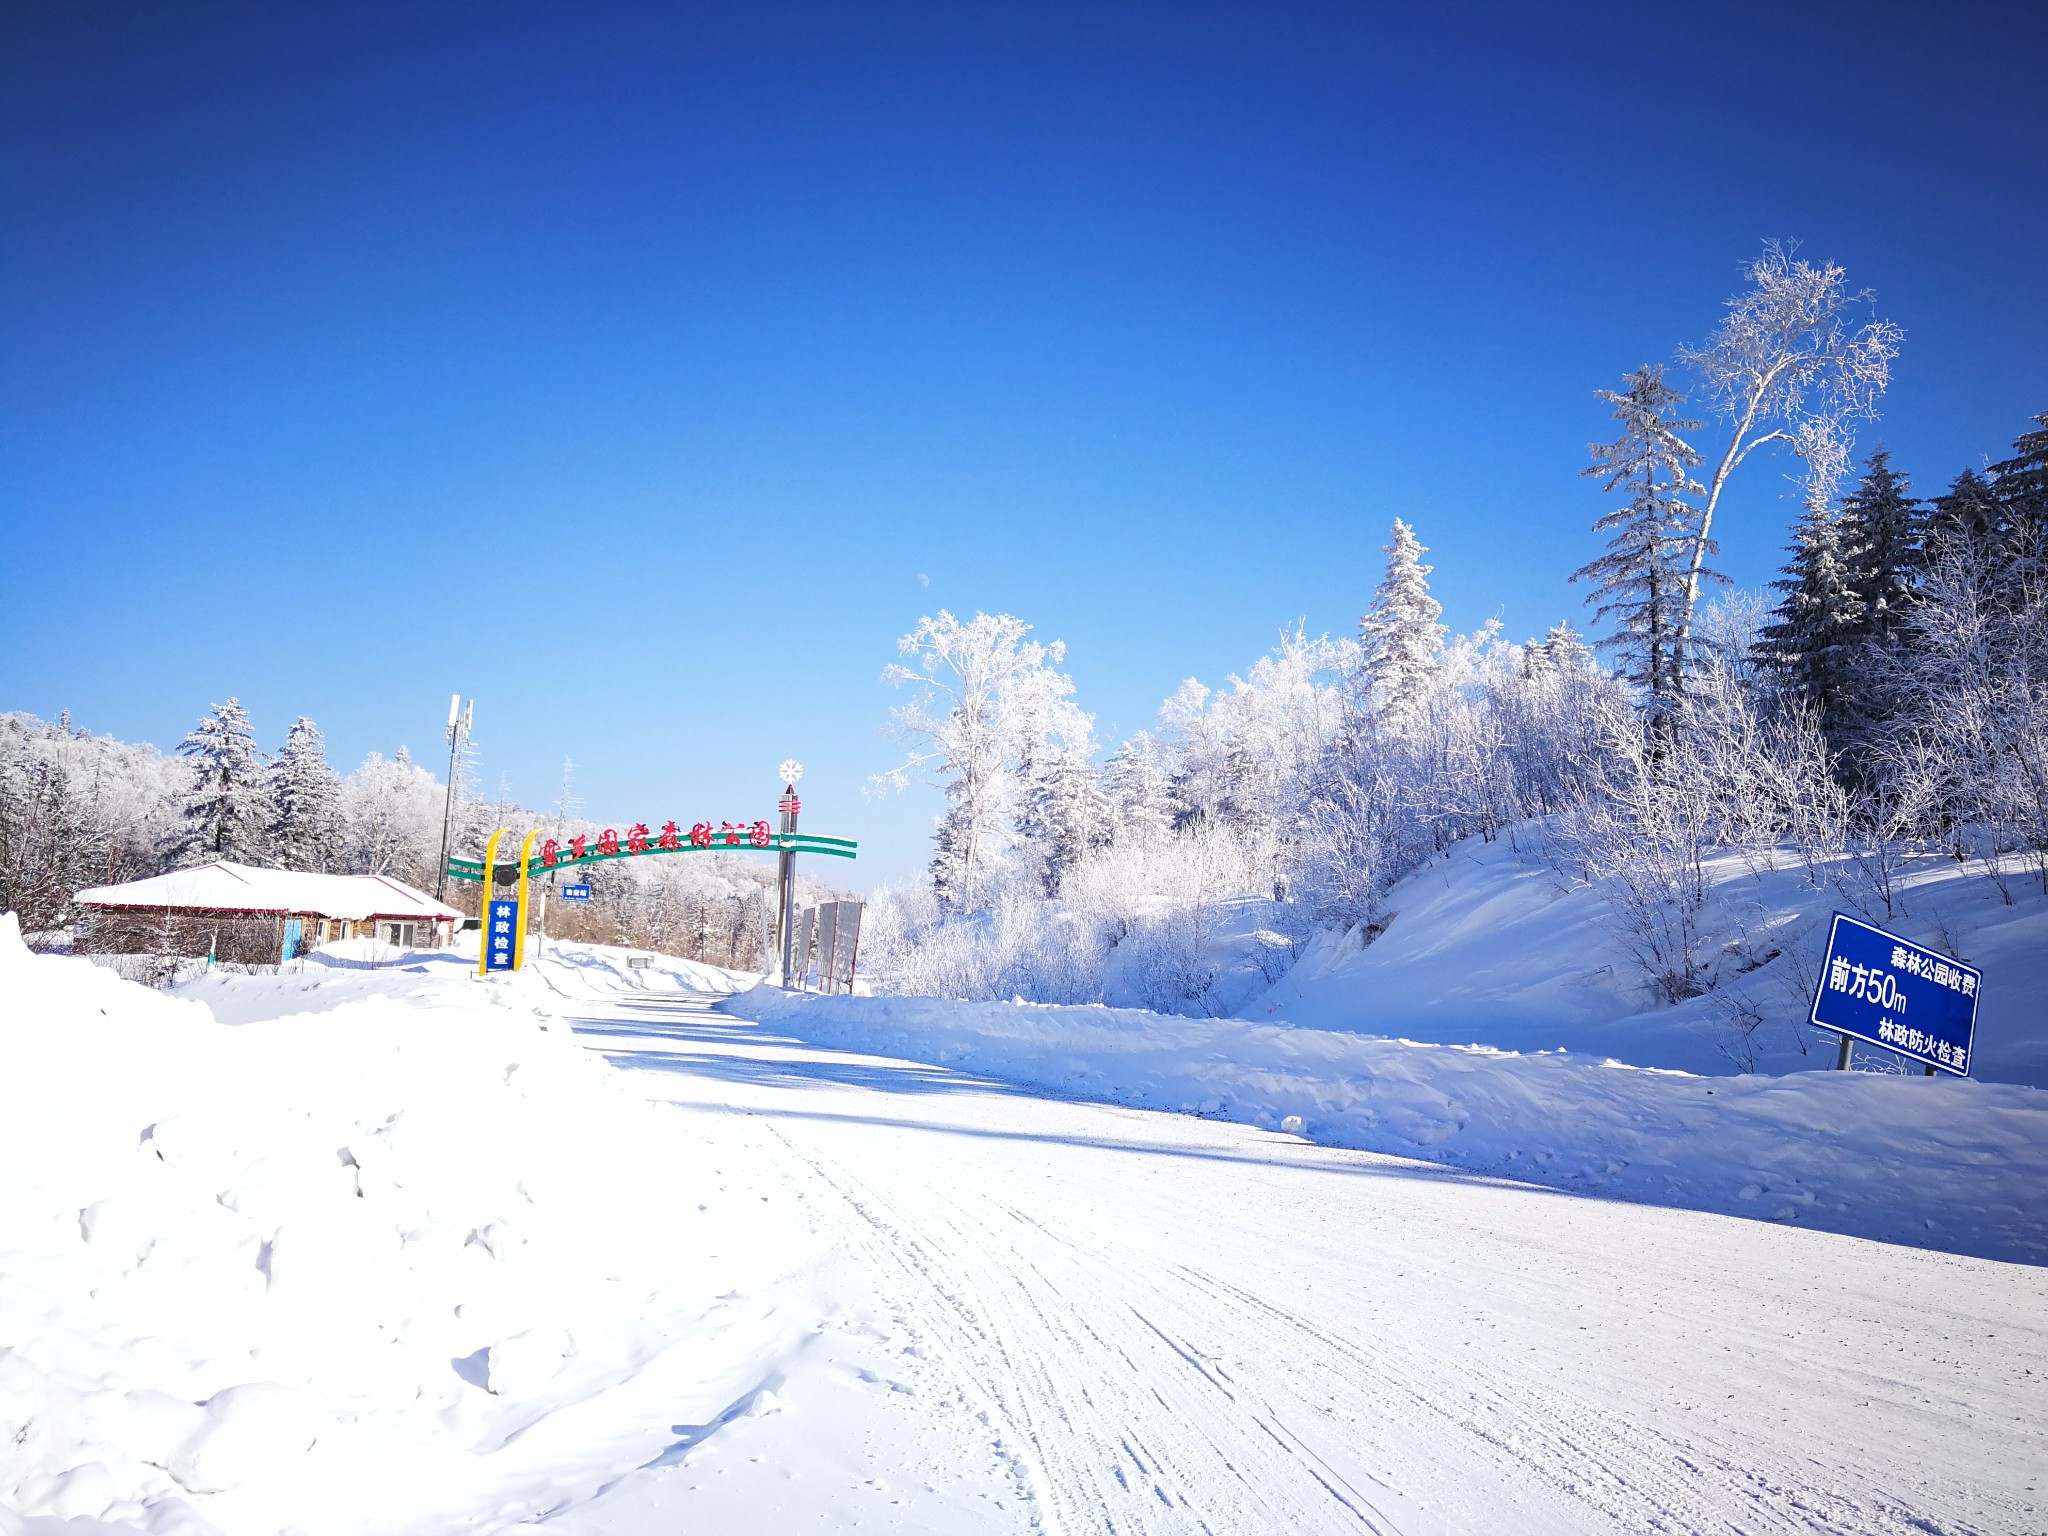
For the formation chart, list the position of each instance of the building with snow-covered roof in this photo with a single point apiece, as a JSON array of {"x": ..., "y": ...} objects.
[{"x": 241, "y": 912}]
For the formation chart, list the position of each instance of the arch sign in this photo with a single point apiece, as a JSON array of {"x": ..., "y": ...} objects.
[{"x": 504, "y": 922}]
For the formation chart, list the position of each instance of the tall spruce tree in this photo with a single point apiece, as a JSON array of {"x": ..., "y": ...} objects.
[
  {"x": 2022, "y": 486},
  {"x": 1881, "y": 525},
  {"x": 305, "y": 824},
  {"x": 1641, "y": 583},
  {"x": 1812, "y": 645},
  {"x": 1966, "y": 520},
  {"x": 1399, "y": 635},
  {"x": 227, "y": 811}
]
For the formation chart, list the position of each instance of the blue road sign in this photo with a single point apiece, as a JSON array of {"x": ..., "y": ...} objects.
[
  {"x": 499, "y": 935},
  {"x": 575, "y": 893},
  {"x": 1891, "y": 992}
]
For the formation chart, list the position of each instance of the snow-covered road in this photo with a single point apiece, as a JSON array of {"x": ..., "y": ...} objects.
[{"x": 1077, "y": 1317}]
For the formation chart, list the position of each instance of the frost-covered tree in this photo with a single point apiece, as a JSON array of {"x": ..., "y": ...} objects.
[
  {"x": 1811, "y": 645},
  {"x": 1640, "y": 583},
  {"x": 1065, "y": 814},
  {"x": 1399, "y": 636},
  {"x": 1137, "y": 792},
  {"x": 1966, "y": 519},
  {"x": 305, "y": 796},
  {"x": 989, "y": 690},
  {"x": 2022, "y": 485},
  {"x": 1565, "y": 649},
  {"x": 394, "y": 818},
  {"x": 1790, "y": 363},
  {"x": 1881, "y": 548},
  {"x": 227, "y": 811}
]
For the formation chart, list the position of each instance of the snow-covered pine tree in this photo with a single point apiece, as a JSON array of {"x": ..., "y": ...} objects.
[
  {"x": 1881, "y": 549},
  {"x": 1139, "y": 792},
  {"x": 1640, "y": 584},
  {"x": 1399, "y": 636},
  {"x": 305, "y": 826},
  {"x": 227, "y": 812},
  {"x": 1811, "y": 646},
  {"x": 1064, "y": 816},
  {"x": 1565, "y": 649}
]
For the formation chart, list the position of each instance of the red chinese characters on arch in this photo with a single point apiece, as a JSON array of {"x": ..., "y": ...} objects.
[{"x": 640, "y": 838}]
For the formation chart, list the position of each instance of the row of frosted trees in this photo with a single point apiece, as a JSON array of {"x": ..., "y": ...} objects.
[
  {"x": 78, "y": 810},
  {"x": 1890, "y": 700}
]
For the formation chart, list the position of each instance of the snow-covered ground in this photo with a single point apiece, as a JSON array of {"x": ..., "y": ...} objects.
[{"x": 393, "y": 1250}]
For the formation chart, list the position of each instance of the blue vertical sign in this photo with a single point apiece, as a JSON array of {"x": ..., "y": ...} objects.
[
  {"x": 499, "y": 933},
  {"x": 1891, "y": 992}
]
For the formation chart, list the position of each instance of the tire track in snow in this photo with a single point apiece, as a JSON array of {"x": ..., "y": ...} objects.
[{"x": 1131, "y": 1450}]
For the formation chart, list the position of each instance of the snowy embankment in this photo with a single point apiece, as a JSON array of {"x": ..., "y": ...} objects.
[
  {"x": 1938, "y": 1163},
  {"x": 1487, "y": 947},
  {"x": 404, "y": 1262}
]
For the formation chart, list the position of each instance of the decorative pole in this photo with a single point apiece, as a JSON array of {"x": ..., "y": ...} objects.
[
  {"x": 519, "y": 928},
  {"x": 458, "y": 732},
  {"x": 792, "y": 770}
]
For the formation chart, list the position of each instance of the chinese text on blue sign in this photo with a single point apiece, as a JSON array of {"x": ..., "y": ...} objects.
[
  {"x": 575, "y": 893},
  {"x": 1891, "y": 992},
  {"x": 498, "y": 935}
]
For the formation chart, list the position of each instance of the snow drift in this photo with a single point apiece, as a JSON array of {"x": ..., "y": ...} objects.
[
  {"x": 420, "y": 1256},
  {"x": 1938, "y": 1163}
]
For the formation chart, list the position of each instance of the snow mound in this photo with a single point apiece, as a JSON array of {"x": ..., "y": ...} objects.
[
  {"x": 1934, "y": 1162},
  {"x": 410, "y": 1250}
]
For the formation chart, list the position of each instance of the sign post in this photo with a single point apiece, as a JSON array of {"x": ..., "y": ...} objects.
[
  {"x": 789, "y": 806},
  {"x": 485, "y": 903},
  {"x": 1888, "y": 991}
]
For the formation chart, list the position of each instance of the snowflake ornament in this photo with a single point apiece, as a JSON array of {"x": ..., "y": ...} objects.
[{"x": 791, "y": 770}]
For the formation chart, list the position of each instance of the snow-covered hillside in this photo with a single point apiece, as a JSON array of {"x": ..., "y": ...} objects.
[{"x": 1487, "y": 947}]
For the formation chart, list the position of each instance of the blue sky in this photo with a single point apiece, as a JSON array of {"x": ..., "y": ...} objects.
[{"x": 634, "y": 369}]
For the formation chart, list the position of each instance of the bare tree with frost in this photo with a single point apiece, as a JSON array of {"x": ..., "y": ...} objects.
[
  {"x": 987, "y": 690},
  {"x": 1790, "y": 363}
]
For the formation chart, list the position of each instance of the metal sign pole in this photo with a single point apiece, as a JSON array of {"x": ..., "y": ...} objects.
[{"x": 786, "y": 875}]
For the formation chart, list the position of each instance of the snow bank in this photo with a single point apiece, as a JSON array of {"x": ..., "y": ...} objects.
[
  {"x": 1934, "y": 1162},
  {"x": 1487, "y": 948},
  {"x": 405, "y": 1264}
]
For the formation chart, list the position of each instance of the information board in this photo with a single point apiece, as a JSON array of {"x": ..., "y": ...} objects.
[
  {"x": 1889, "y": 991},
  {"x": 499, "y": 933}
]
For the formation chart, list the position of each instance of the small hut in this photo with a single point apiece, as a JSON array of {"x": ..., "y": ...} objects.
[{"x": 239, "y": 912}]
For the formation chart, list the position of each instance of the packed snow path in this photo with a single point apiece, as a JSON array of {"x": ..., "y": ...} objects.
[{"x": 1167, "y": 1324}]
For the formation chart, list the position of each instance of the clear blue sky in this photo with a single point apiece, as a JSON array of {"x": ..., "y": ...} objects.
[{"x": 634, "y": 368}]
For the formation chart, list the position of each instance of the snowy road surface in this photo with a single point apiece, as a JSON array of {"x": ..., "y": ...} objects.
[{"x": 1074, "y": 1317}]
